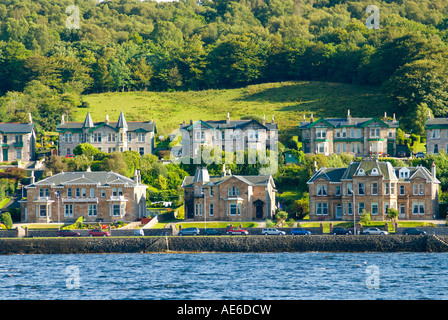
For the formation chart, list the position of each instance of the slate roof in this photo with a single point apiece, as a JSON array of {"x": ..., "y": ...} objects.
[
  {"x": 216, "y": 180},
  {"x": 103, "y": 178},
  {"x": 345, "y": 122},
  {"x": 132, "y": 126},
  {"x": 232, "y": 124},
  {"x": 13, "y": 127},
  {"x": 436, "y": 123},
  {"x": 366, "y": 168}
]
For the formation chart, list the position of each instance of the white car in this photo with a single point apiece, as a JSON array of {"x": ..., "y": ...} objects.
[
  {"x": 374, "y": 231},
  {"x": 269, "y": 231}
]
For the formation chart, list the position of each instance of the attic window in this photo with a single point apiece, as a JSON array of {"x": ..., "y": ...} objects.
[
  {"x": 361, "y": 172},
  {"x": 374, "y": 171}
]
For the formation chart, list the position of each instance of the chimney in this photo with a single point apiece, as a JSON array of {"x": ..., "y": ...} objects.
[
  {"x": 394, "y": 119},
  {"x": 107, "y": 119},
  {"x": 349, "y": 117},
  {"x": 315, "y": 166},
  {"x": 63, "y": 119},
  {"x": 135, "y": 176},
  {"x": 272, "y": 119},
  {"x": 32, "y": 178},
  {"x": 429, "y": 114},
  {"x": 311, "y": 119},
  {"x": 264, "y": 119},
  {"x": 228, "y": 117},
  {"x": 433, "y": 170},
  {"x": 229, "y": 172},
  {"x": 385, "y": 116},
  {"x": 223, "y": 171},
  {"x": 30, "y": 118}
]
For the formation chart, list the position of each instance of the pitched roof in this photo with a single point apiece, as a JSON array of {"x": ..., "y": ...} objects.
[
  {"x": 367, "y": 168},
  {"x": 436, "y": 123},
  {"x": 122, "y": 121},
  {"x": 347, "y": 122},
  {"x": 231, "y": 124},
  {"x": 14, "y": 127},
  {"x": 216, "y": 180},
  {"x": 88, "y": 122},
  {"x": 103, "y": 178}
]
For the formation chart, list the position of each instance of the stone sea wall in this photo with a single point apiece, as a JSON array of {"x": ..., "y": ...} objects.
[{"x": 163, "y": 244}]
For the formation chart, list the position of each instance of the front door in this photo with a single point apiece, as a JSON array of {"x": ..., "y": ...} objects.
[
  {"x": 259, "y": 211},
  {"x": 338, "y": 211},
  {"x": 5, "y": 155}
]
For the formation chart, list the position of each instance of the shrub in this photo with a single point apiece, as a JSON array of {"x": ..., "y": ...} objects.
[
  {"x": 6, "y": 220},
  {"x": 290, "y": 222},
  {"x": 269, "y": 223}
]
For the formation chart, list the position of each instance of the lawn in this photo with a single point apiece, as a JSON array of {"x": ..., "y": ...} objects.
[
  {"x": 220, "y": 224},
  {"x": 287, "y": 101}
]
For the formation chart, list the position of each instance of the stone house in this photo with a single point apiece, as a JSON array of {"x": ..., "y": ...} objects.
[
  {"x": 107, "y": 136},
  {"x": 436, "y": 135},
  {"x": 94, "y": 195},
  {"x": 228, "y": 197},
  {"x": 375, "y": 186},
  {"x": 358, "y": 136},
  {"x": 18, "y": 141},
  {"x": 229, "y": 135}
]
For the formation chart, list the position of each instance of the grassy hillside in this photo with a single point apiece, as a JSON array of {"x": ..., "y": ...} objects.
[{"x": 287, "y": 101}]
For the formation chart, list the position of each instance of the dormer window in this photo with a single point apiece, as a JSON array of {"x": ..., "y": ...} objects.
[
  {"x": 375, "y": 171},
  {"x": 361, "y": 172}
]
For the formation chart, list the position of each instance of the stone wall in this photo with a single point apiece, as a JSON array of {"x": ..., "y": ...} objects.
[{"x": 323, "y": 243}]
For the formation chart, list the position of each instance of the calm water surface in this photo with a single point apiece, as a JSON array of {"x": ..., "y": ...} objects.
[{"x": 226, "y": 276}]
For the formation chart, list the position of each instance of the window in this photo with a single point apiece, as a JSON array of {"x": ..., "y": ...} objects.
[
  {"x": 78, "y": 192},
  {"x": 19, "y": 154},
  {"x": 375, "y": 171},
  {"x": 435, "y": 148},
  {"x": 338, "y": 190},
  {"x": 68, "y": 138},
  {"x": 103, "y": 193},
  {"x": 435, "y": 134},
  {"x": 392, "y": 188},
  {"x": 233, "y": 191},
  {"x": 321, "y": 133},
  {"x": 93, "y": 209},
  {"x": 419, "y": 189},
  {"x": 232, "y": 209},
  {"x": 374, "y": 208},
  {"x": 69, "y": 192},
  {"x": 401, "y": 190},
  {"x": 402, "y": 209},
  {"x": 115, "y": 209},
  {"x": 211, "y": 210},
  {"x": 321, "y": 190},
  {"x": 361, "y": 189},
  {"x": 41, "y": 193},
  {"x": 349, "y": 189},
  {"x": 111, "y": 137},
  {"x": 92, "y": 192},
  {"x": 418, "y": 208},
  {"x": 211, "y": 191},
  {"x": 361, "y": 206},
  {"x": 374, "y": 188},
  {"x": 120, "y": 191},
  {"x": 141, "y": 151},
  {"x": 386, "y": 207},
  {"x": 141, "y": 137},
  {"x": 321, "y": 208},
  {"x": 43, "y": 210},
  {"x": 114, "y": 192},
  {"x": 350, "y": 208},
  {"x": 374, "y": 132},
  {"x": 68, "y": 210},
  {"x": 97, "y": 137},
  {"x": 84, "y": 192},
  {"x": 386, "y": 188}
]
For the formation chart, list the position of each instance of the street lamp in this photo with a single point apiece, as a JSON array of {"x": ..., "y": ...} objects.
[
  {"x": 56, "y": 193},
  {"x": 354, "y": 211}
]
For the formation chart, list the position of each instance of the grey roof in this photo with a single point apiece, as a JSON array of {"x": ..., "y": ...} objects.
[
  {"x": 371, "y": 167},
  {"x": 132, "y": 126},
  {"x": 13, "y": 127},
  {"x": 216, "y": 180},
  {"x": 122, "y": 121},
  {"x": 201, "y": 175},
  {"x": 231, "y": 124},
  {"x": 344, "y": 122},
  {"x": 436, "y": 123},
  {"x": 88, "y": 122},
  {"x": 103, "y": 178}
]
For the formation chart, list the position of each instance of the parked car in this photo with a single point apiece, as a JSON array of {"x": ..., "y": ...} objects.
[
  {"x": 139, "y": 232},
  {"x": 236, "y": 230},
  {"x": 402, "y": 154},
  {"x": 300, "y": 231},
  {"x": 374, "y": 231},
  {"x": 68, "y": 233},
  {"x": 272, "y": 231},
  {"x": 189, "y": 232},
  {"x": 420, "y": 155},
  {"x": 98, "y": 233},
  {"x": 413, "y": 231},
  {"x": 211, "y": 232},
  {"x": 339, "y": 230}
]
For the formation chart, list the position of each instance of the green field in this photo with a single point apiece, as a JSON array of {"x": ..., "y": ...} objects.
[{"x": 287, "y": 101}]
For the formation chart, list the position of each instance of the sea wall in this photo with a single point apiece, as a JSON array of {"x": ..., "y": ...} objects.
[{"x": 160, "y": 244}]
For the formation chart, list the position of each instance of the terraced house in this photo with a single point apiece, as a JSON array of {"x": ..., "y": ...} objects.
[
  {"x": 228, "y": 197},
  {"x": 358, "y": 136},
  {"x": 94, "y": 195},
  {"x": 436, "y": 134},
  {"x": 107, "y": 136},
  {"x": 373, "y": 186},
  {"x": 18, "y": 141}
]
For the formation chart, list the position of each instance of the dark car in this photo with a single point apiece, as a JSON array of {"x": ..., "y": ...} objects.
[
  {"x": 413, "y": 231},
  {"x": 189, "y": 232},
  {"x": 402, "y": 154},
  {"x": 211, "y": 232},
  {"x": 339, "y": 230},
  {"x": 300, "y": 231},
  {"x": 68, "y": 233},
  {"x": 420, "y": 155}
]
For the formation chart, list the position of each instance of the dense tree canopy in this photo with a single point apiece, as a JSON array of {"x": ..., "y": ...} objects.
[{"x": 124, "y": 45}]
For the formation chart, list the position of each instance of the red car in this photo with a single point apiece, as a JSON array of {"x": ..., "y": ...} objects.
[
  {"x": 68, "y": 233},
  {"x": 236, "y": 230},
  {"x": 98, "y": 233}
]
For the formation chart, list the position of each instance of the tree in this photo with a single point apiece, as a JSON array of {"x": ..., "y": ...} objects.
[
  {"x": 365, "y": 217},
  {"x": 86, "y": 149},
  {"x": 6, "y": 219},
  {"x": 392, "y": 214},
  {"x": 301, "y": 207}
]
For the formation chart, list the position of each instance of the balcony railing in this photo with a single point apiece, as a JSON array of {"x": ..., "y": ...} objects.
[
  {"x": 117, "y": 198},
  {"x": 79, "y": 200}
]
